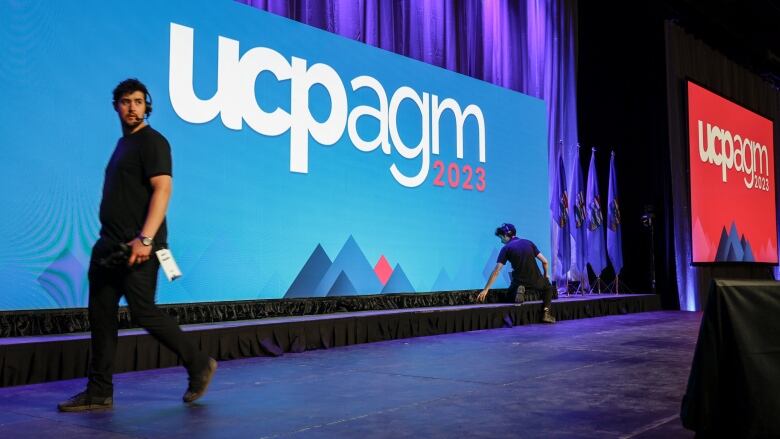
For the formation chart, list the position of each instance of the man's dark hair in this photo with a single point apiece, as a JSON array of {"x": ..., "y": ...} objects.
[
  {"x": 131, "y": 85},
  {"x": 506, "y": 229}
]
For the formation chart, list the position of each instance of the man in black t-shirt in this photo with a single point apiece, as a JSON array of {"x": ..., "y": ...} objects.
[
  {"x": 136, "y": 191},
  {"x": 522, "y": 254}
]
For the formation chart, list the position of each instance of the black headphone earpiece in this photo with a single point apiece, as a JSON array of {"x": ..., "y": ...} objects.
[
  {"x": 148, "y": 104},
  {"x": 508, "y": 229}
]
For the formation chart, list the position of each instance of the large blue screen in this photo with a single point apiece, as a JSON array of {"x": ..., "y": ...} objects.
[{"x": 305, "y": 164}]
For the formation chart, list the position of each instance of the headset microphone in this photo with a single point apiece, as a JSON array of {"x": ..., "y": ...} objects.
[{"x": 148, "y": 105}]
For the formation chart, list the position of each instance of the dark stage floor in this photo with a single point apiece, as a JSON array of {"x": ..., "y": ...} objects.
[{"x": 618, "y": 376}]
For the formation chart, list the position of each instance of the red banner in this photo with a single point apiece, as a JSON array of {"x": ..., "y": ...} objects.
[{"x": 733, "y": 215}]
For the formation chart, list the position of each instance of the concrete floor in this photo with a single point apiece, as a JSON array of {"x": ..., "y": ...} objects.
[{"x": 607, "y": 377}]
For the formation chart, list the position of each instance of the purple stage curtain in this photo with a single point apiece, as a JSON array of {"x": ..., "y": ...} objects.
[{"x": 525, "y": 45}]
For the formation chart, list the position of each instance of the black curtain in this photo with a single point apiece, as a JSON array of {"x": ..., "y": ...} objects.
[
  {"x": 621, "y": 96},
  {"x": 690, "y": 58}
]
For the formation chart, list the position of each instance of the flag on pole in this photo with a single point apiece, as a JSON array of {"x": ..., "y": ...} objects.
[
  {"x": 577, "y": 215},
  {"x": 559, "y": 205},
  {"x": 594, "y": 221},
  {"x": 614, "y": 235}
]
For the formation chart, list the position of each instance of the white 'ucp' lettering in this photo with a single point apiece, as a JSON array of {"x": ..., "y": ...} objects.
[
  {"x": 728, "y": 151},
  {"x": 235, "y": 102}
]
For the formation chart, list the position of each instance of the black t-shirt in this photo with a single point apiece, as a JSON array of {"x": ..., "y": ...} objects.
[
  {"x": 521, "y": 253},
  {"x": 127, "y": 189}
]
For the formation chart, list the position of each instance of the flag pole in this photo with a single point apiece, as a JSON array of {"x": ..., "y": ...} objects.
[
  {"x": 614, "y": 286},
  {"x": 597, "y": 286}
]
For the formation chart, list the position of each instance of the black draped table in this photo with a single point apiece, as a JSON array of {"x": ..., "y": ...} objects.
[{"x": 734, "y": 385}]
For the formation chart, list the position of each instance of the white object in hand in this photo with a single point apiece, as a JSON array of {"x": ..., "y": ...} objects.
[{"x": 168, "y": 264}]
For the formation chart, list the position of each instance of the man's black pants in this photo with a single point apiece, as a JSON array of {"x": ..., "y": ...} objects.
[
  {"x": 138, "y": 284},
  {"x": 545, "y": 288}
]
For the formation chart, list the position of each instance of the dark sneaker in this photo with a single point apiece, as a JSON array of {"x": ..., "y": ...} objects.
[
  {"x": 84, "y": 401},
  {"x": 520, "y": 294},
  {"x": 200, "y": 382},
  {"x": 548, "y": 317}
]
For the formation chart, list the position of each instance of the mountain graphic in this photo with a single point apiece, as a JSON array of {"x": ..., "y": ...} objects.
[
  {"x": 310, "y": 275},
  {"x": 703, "y": 243},
  {"x": 443, "y": 282},
  {"x": 468, "y": 276},
  {"x": 733, "y": 249},
  {"x": 748, "y": 256},
  {"x": 769, "y": 252},
  {"x": 722, "y": 245},
  {"x": 398, "y": 282},
  {"x": 355, "y": 266},
  {"x": 383, "y": 270},
  {"x": 342, "y": 287}
]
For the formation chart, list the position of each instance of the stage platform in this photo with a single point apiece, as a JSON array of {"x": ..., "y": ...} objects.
[
  {"x": 35, "y": 359},
  {"x": 610, "y": 377}
]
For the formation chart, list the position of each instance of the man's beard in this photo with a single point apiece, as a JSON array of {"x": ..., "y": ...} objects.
[{"x": 134, "y": 124}]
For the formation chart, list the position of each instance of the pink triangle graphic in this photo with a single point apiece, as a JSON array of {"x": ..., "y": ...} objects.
[
  {"x": 770, "y": 254},
  {"x": 383, "y": 270},
  {"x": 705, "y": 250}
]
